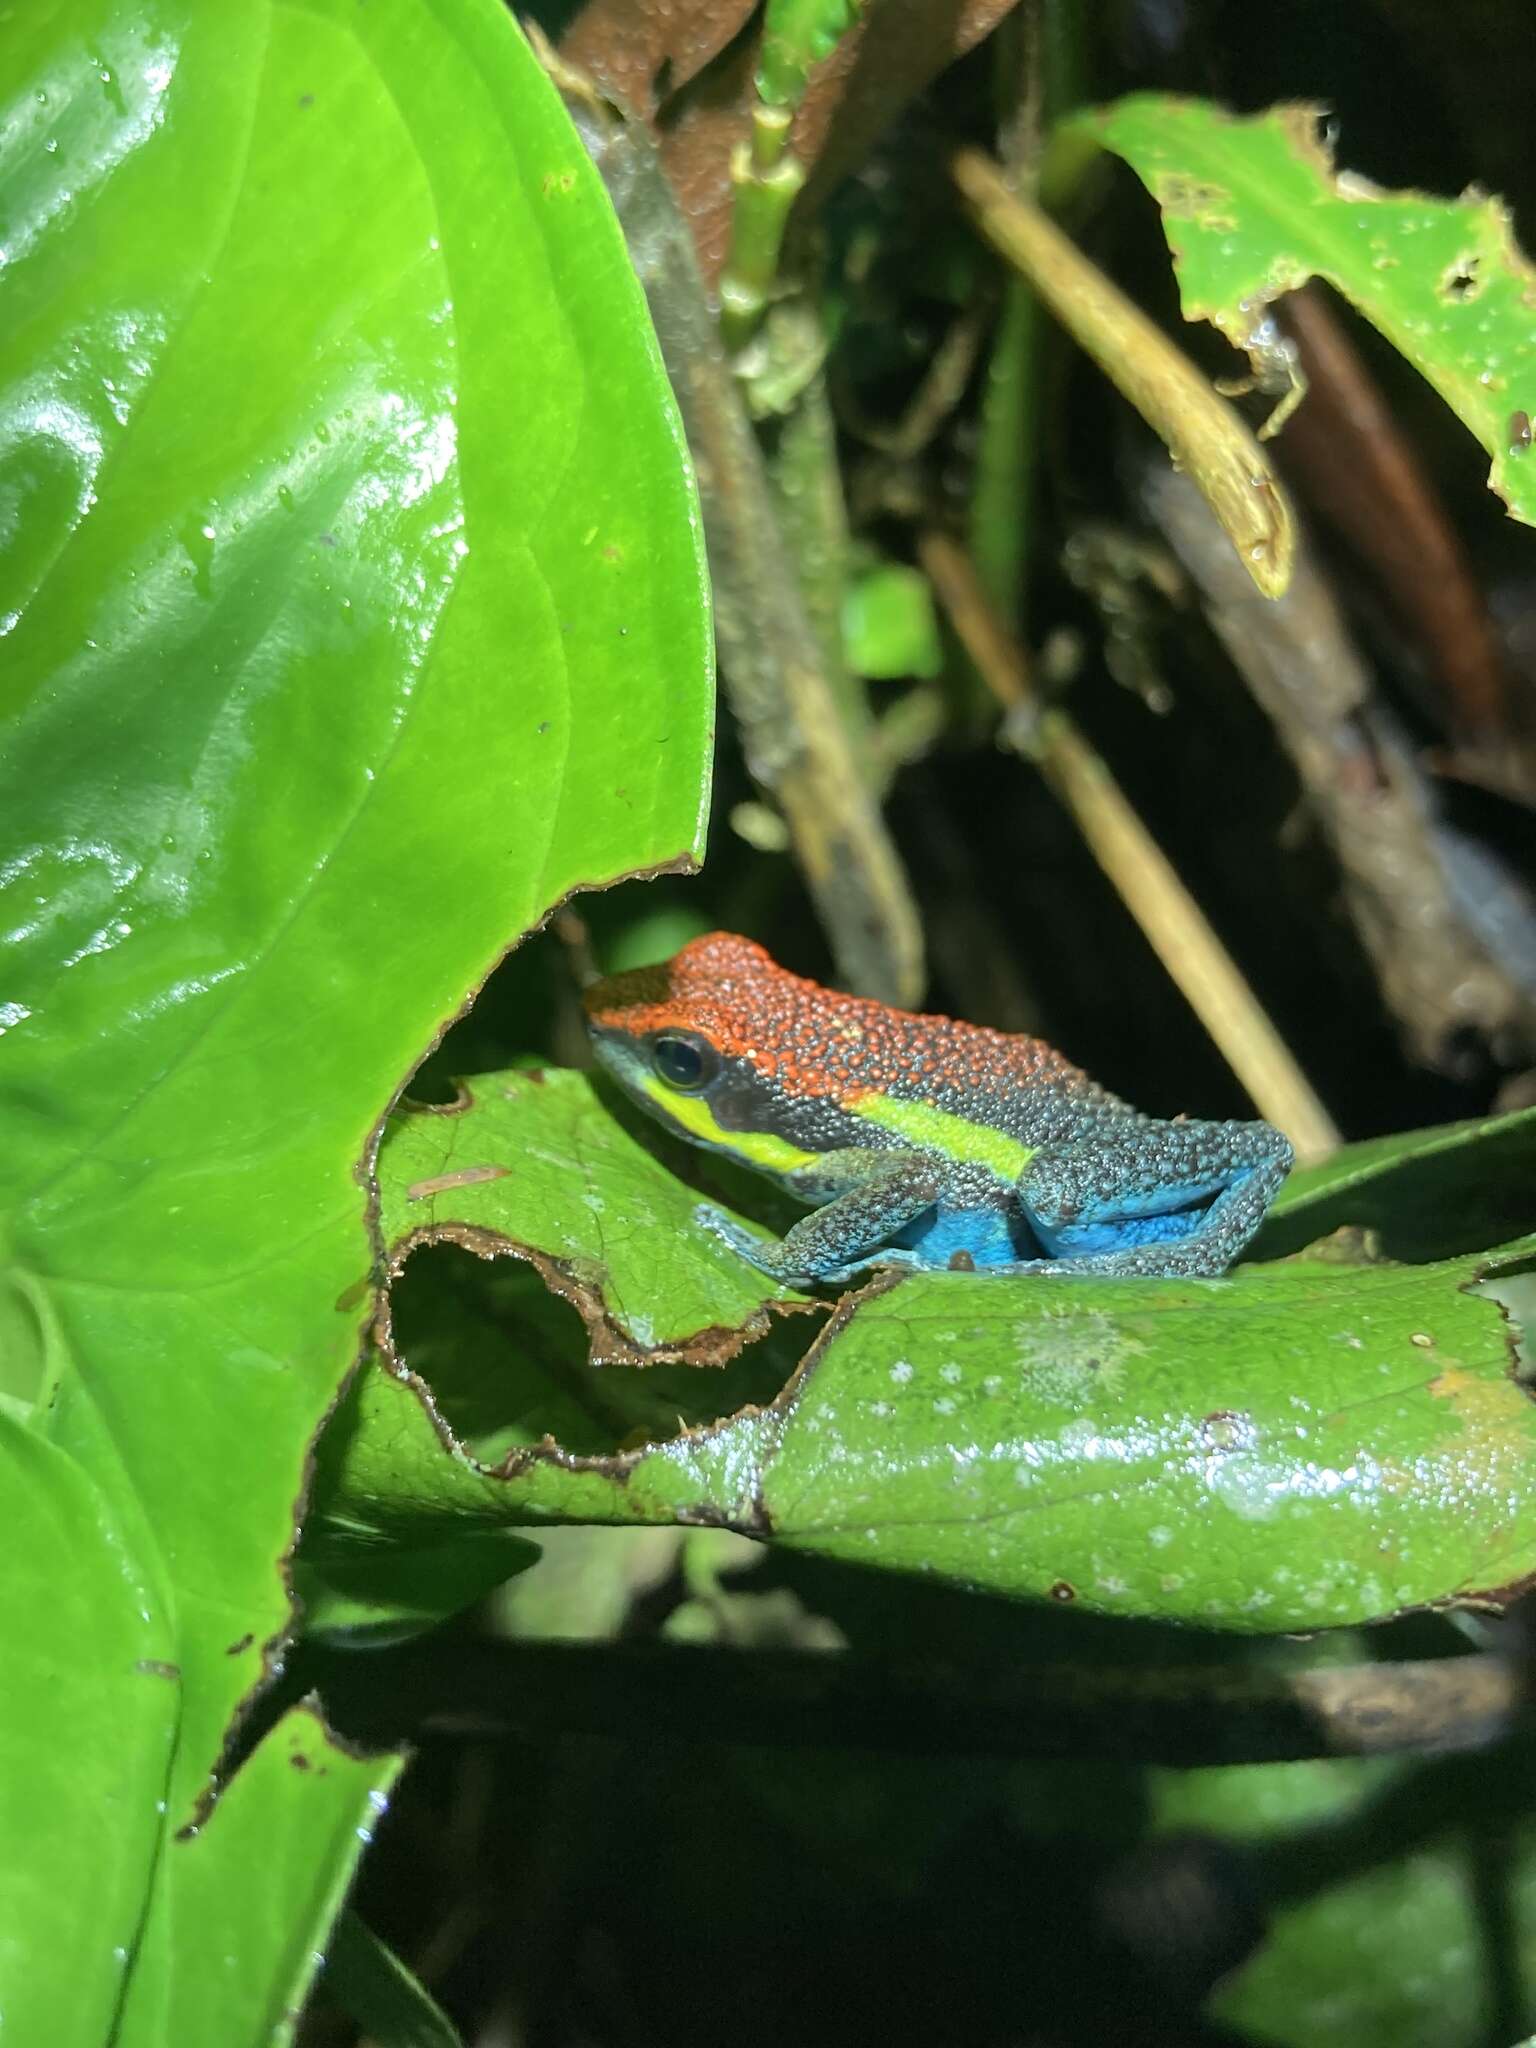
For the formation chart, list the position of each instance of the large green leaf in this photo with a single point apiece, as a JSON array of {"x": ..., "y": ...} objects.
[
  {"x": 88, "y": 1676},
  {"x": 243, "y": 1906},
  {"x": 1304, "y": 1444},
  {"x": 1252, "y": 208},
  {"x": 353, "y": 613},
  {"x": 1298, "y": 1446}
]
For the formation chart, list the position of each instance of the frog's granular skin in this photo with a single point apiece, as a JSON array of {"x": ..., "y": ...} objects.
[
  {"x": 814, "y": 1041},
  {"x": 920, "y": 1139}
]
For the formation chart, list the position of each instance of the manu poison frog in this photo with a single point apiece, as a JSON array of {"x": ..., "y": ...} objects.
[{"x": 919, "y": 1141}]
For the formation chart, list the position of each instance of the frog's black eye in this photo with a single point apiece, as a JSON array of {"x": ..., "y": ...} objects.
[{"x": 683, "y": 1062}]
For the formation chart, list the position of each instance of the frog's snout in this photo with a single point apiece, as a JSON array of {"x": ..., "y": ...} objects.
[{"x": 618, "y": 1054}]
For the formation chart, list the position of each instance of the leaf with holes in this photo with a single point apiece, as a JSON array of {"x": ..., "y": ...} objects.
[
  {"x": 1253, "y": 206},
  {"x": 1299, "y": 1445},
  {"x": 538, "y": 1165}
]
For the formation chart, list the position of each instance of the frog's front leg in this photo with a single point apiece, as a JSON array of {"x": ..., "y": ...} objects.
[
  {"x": 883, "y": 1192},
  {"x": 1154, "y": 1199}
]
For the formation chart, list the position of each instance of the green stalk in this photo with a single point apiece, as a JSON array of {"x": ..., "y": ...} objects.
[{"x": 797, "y": 35}]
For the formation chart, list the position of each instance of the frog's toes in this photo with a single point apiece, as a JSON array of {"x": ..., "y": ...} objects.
[
  {"x": 885, "y": 1258},
  {"x": 741, "y": 1241}
]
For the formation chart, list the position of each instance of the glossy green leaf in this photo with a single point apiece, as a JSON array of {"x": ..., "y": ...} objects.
[
  {"x": 1273, "y": 1453},
  {"x": 89, "y": 1675},
  {"x": 353, "y": 613},
  {"x": 1299, "y": 1445},
  {"x": 1294, "y": 1447},
  {"x": 243, "y": 1906},
  {"x": 1253, "y": 207}
]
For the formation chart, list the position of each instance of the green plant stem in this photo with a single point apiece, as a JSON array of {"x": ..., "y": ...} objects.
[
  {"x": 767, "y": 183},
  {"x": 1001, "y": 512}
]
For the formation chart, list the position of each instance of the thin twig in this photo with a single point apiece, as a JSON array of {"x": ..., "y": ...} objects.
[
  {"x": 1173, "y": 922},
  {"x": 1203, "y": 433},
  {"x": 793, "y": 733}
]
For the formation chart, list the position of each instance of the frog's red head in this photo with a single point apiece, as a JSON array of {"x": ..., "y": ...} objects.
[
  {"x": 717, "y": 985},
  {"x": 720, "y": 989},
  {"x": 724, "y": 995}
]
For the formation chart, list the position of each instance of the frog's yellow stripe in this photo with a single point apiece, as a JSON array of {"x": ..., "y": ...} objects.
[
  {"x": 761, "y": 1149},
  {"x": 936, "y": 1130}
]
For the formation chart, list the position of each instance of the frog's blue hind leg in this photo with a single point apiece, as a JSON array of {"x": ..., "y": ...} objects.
[{"x": 1162, "y": 1199}]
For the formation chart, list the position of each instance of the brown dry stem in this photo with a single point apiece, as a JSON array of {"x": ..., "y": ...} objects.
[
  {"x": 1367, "y": 480},
  {"x": 1178, "y": 1715},
  {"x": 1437, "y": 975},
  {"x": 796, "y": 742},
  {"x": 1140, "y": 872}
]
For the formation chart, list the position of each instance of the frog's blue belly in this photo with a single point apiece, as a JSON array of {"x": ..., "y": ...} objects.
[
  {"x": 1004, "y": 1237},
  {"x": 1082, "y": 1240},
  {"x": 1163, "y": 1217},
  {"x": 989, "y": 1236}
]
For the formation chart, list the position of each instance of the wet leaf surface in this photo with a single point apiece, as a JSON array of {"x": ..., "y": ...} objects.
[
  {"x": 1309, "y": 1443},
  {"x": 1292, "y": 1447}
]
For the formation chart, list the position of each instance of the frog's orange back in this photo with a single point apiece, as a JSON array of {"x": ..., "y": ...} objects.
[{"x": 809, "y": 1041}]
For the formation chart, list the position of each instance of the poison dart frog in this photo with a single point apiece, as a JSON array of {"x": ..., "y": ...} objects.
[{"x": 919, "y": 1141}]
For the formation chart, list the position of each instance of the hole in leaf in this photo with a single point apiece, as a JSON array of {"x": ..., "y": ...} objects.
[
  {"x": 508, "y": 1363},
  {"x": 1463, "y": 280}
]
